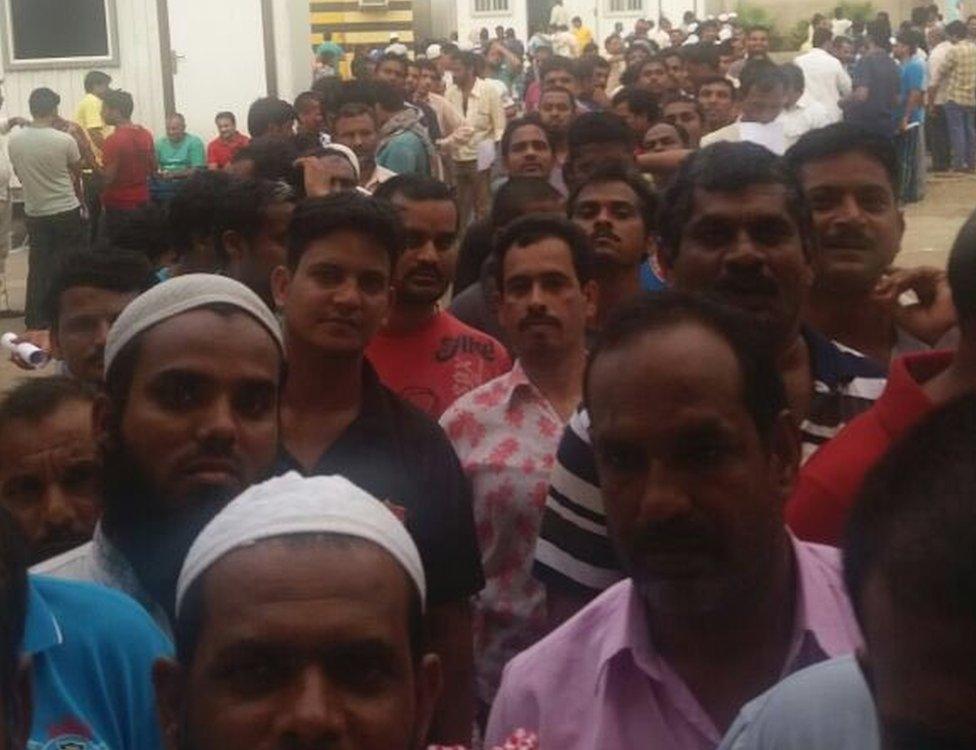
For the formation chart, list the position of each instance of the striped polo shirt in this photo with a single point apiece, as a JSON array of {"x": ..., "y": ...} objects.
[{"x": 574, "y": 550}]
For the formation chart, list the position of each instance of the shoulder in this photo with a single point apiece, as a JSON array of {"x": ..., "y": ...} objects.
[{"x": 75, "y": 564}]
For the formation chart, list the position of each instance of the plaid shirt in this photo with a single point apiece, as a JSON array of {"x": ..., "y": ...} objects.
[{"x": 959, "y": 73}]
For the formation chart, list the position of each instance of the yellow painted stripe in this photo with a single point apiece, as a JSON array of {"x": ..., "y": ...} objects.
[
  {"x": 363, "y": 37},
  {"x": 404, "y": 16}
]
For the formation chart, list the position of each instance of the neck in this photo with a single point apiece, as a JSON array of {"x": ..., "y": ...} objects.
[
  {"x": 43, "y": 122},
  {"x": 366, "y": 169},
  {"x": 406, "y": 317},
  {"x": 321, "y": 381},
  {"x": 617, "y": 284},
  {"x": 467, "y": 85},
  {"x": 854, "y": 319},
  {"x": 558, "y": 376},
  {"x": 958, "y": 379}
]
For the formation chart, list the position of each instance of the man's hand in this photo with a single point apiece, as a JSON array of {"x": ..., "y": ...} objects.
[{"x": 933, "y": 315}]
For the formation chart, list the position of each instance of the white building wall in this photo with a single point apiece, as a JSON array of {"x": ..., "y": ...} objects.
[{"x": 138, "y": 71}]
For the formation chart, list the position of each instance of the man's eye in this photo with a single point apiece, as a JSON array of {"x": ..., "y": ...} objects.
[
  {"x": 80, "y": 476},
  {"x": 254, "y": 402},
  {"x": 179, "y": 394},
  {"x": 622, "y": 458}
]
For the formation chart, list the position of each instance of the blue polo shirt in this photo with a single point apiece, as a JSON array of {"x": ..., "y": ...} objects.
[{"x": 92, "y": 651}]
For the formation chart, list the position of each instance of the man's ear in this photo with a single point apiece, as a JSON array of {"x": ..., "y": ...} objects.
[
  {"x": 784, "y": 444},
  {"x": 591, "y": 290},
  {"x": 169, "y": 680},
  {"x": 280, "y": 281},
  {"x": 427, "y": 691}
]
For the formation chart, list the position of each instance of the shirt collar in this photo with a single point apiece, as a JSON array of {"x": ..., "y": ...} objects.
[
  {"x": 41, "y": 629},
  {"x": 517, "y": 383}
]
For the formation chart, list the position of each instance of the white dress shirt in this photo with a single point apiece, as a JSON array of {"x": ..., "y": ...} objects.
[
  {"x": 825, "y": 80},
  {"x": 936, "y": 59}
]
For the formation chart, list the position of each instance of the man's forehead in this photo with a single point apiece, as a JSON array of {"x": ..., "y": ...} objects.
[
  {"x": 191, "y": 336},
  {"x": 612, "y": 191},
  {"x": 425, "y": 214},
  {"x": 749, "y": 201},
  {"x": 85, "y": 296},
  {"x": 847, "y": 169},
  {"x": 528, "y": 132}
]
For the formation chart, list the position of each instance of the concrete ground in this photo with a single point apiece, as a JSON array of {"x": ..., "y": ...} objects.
[{"x": 931, "y": 228}]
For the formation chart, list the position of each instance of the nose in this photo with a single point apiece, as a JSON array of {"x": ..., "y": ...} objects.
[
  {"x": 849, "y": 210},
  {"x": 744, "y": 252},
  {"x": 346, "y": 295},
  {"x": 59, "y": 512},
  {"x": 427, "y": 252},
  {"x": 663, "y": 497},
  {"x": 313, "y": 715},
  {"x": 218, "y": 424}
]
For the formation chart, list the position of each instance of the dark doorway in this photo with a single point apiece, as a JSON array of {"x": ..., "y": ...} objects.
[{"x": 538, "y": 15}]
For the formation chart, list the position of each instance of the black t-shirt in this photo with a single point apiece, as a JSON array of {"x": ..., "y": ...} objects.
[{"x": 402, "y": 457}]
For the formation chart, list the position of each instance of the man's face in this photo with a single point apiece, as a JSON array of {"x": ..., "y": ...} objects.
[
  {"x": 393, "y": 72},
  {"x": 426, "y": 269},
  {"x": 201, "y": 416},
  {"x": 101, "y": 89},
  {"x": 744, "y": 249},
  {"x": 638, "y": 122},
  {"x": 175, "y": 129},
  {"x": 637, "y": 55},
  {"x": 360, "y": 134},
  {"x": 544, "y": 309},
  {"x": 412, "y": 80},
  {"x": 677, "y": 71},
  {"x": 86, "y": 313},
  {"x": 856, "y": 220},
  {"x": 763, "y": 105},
  {"x": 556, "y": 112},
  {"x": 920, "y": 669},
  {"x": 49, "y": 478},
  {"x": 339, "y": 295},
  {"x": 111, "y": 116},
  {"x": 844, "y": 52},
  {"x": 561, "y": 79},
  {"x": 655, "y": 78},
  {"x": 591, "y": 156},
  {"x": 757, "y": 43},
  {"x": 226, "y": 128},
  {"x": 529, "y": 153},
  {"x": 709, "y": 34},
  {"x": 693, "y": 495},
  {"x": 599, "y": 79},
  {"x": 462, "y": 76},
  {"x": 716, "y": 99},
  {"x": 253, "y": 259},
  {"x": 901, "y": 51},
  {"x": 338, "y": 174},
  {"x": 662, "y": 137},
  {"x": 725, "y": 63},
  {"x": 615, "y": 45},
  {"x": 610, "y": 214},
  {"x": 301, "y": 661},
  {"x": 427, "y": 81},
  {"x": 311, "y": 119},
  {"x": 686, "y": 115}
]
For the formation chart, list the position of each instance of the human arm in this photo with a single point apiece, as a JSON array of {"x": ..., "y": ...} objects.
[
  {"x": 197, "y": 155},
  {"x": 110, "y": 161},
  {"x": 929, "y": 319},
  {"x": 662, "y": 164},
  {"x": 498, "y": 120},
  {"x": 844, "y": 84}
]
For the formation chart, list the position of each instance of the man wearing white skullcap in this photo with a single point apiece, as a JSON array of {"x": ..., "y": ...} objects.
[
  {"x": 299, "y": 625},
  {"x": 189, "y": 419}
]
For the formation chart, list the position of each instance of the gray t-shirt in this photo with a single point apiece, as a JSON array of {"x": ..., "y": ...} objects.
[{"x": 42, "y": 159}]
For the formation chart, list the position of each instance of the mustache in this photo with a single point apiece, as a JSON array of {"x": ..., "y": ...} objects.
[
  {"x": 679, "y": 534},
  {"x": 530, "y": 320},
  {"x": 426, "y": 270},
  {"x": 751, "y": 284},
  {"x": 599, "y": 234},
  {"x": 847, "y": 238}
]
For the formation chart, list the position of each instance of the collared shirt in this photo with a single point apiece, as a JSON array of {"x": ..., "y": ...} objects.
[
  {"x": 401, "y": 456},
  {"x": 189, "y": 153},
  {"x": 448, "y": 116},
  {"x": 506, "y": 433},
  {"x": 597, "y": 681},
  {"x": 804, "y": 116},
  {"x": 824, "y": 707},
  {"x": 829, "y": 483},
  {"x": 825, "y": 80},
  {"x": 959, "y": 73},
  {"x": 936, "y": 59},
  {"x": 92, "y": 652},
  {"x": 483, "y": 112},
  {"x": 573, "y": 547},
  {"x": 220, "y": 153},
  {"x": 913, "y": 75}
]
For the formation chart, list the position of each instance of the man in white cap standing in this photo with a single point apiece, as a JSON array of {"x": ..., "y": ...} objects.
[
  {"x": 323, "y": 647},
  {"x": 189, "y": 419}
]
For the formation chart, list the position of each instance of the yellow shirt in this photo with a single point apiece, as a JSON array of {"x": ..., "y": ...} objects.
[
  {"x": 584, "y": 36},
  {"x": 89, "y": 116}
]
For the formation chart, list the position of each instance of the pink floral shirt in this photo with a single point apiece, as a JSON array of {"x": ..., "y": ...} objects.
[{"x": 505, "y": 434}]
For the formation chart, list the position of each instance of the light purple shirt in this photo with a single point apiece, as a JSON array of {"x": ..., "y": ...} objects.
[{"x": 597, "y": 682}]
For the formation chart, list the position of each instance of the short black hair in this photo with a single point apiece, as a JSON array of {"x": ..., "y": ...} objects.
[
  {"x": 307, "y": 99},
  {"x": 914, "y": 521},
  {"x": 793, "y": 76},
  {"x": 274, "y": 159},
  {"x": 764, "y": 394},
  {"x": 843, "y": 138},
  {"x": 702, "y": 53},
  {"x": 13, "y": 609},
  {"x": 631, "y": 178},
  {"x": 353, "y": 109},
  {"x": 681, "y": 98},
  {"x": 910, "y": 38},
  {"x": 598, "y": 127},
  {"x": 225, "y": 116},
  {"x": 521, "y": 122},
  {"x": 557, "y": 62},
  {"x": 267, "y": 112},
  {"x": 394, "y": 57},
  {"x": 760, "y": 74},
  {"x": 962, "y": 272},
  {"x": 956, "y": 30},
  {"x": 349, "y": 210},
  {"x": 142, "y": 230},
  {"x": 880, "y": 34},
  {"x": 820, "y": 37},
  {"x": 534, "y": 228},
  {"x": 639, "y": 101},
  {"x": 720, "y": 80},
  {"x": 120, "y": 101},
  {"x": 34, "y": 399},
  {"x": 191, "y": 210},
  {"x": 559, "y": 90},
  {"x": 413, "y": 187},
  {"x": 468, "y": 60},
  {"x": 387, "y": 97},
  {"x": 95, "y": 78},
  {"x": 727, "y": 168},
  {"x": 586, "y": 65},
  {"x": 43, "y": 102},
  {"x": 515, "y": 194},
  {"x": 243, "y": 207},
  {"x": 120, "y": 271}
]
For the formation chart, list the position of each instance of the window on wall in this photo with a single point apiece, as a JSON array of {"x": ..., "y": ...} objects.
[
  {"x": 491, "y": 7},
  {"x": 58, "y": 33},
  {"x": 626, "y": 6}
]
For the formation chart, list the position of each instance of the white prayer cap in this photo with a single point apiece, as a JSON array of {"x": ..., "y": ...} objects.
[
  {"x": 433, "y": 51},
  {"x": 725, "y": 33},
  {"x": 180, "y": 295},
  {"x": 723, "y": 17},
  {"x": 397, "y": 48},
  {"x": 291, "y": 505},
  {"x": 338, "y": 149}
]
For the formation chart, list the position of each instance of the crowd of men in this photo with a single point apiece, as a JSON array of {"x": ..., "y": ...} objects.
[{"x": 594, "y": 376}]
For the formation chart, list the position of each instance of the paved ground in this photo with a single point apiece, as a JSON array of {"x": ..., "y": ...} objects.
[{"x": 931, "y": 227}]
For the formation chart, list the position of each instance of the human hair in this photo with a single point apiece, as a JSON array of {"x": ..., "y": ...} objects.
[
  {"x": 702, "y": 53},
  {"x": 588, "y": 64},
  {"x": 392, "y": 57},
  {"x": 243, "y": 208},
  {"x": 347, "y": 211},
  {"x": 909, "y": 38},
  {"x": 43, "y": 102},
  {"x": 387, "y": 97},
  {"x": 598, "y": 128},
  {"x": 34, "y": 399},
  {"x": 176, "y": 116},
  {"x": 142, "y": 230},
  {"x": 879, "y": 33},
  {"x": 762, "y": 75},
  {"x": 792, "y": 76},
  {"x": 727, "y": 168},
  {"x": 191, "y": 211},
  {"x": 962, "y": 273},
  {"x": 639, "y": 101},
  {"x": 267, "y": 112},
  {"x": 913, "y": 524},
  {"x": 190, "y": 621},
  {"x": 225, "y": 116},
  {"x": 353, "y": 109},
  {"x": 763, "y": 392},
  {"x": 557, "y": 62},
  {"x": 956, "y": 30},
  {"x": 821, "y": 37},
  {"x": 468, "y": 60},
  {"x": 679, "y": 98},
  {"x": 515, "y": 194},
  {"x": 413, "y": 187},
  {"x": 719, "y": 80},
  {"x": 307, "y": 100},
  {"x": 521, "y": 122},
  {"x": 120, "y": 101},
  {"x": 756, "y": 27},
  {"x": 615, "y": 172},
  {"x": 559, "y": 90},
  {"x": 116, "y": 270},
  {"x": 13, "y": 610},
  {"x": 96, "y": 78},
  {"x": 528, "y": 230},
  {"x": 843, "y": 138},
  {"x": 429, "y": 65}
]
